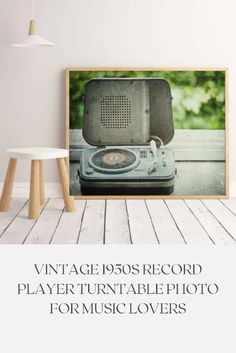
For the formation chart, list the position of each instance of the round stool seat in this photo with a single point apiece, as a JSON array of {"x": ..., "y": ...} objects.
[
  {"x": 37, "y": 194},
  {"x": 37, "y": 153}
]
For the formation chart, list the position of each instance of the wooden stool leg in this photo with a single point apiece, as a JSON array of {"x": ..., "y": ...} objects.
[
  {"x": 34, "y": 200},
  {"x": 69, "y": 200},
  {"x": 8, "y": 185},
  {"x": 41, "y": 183}
]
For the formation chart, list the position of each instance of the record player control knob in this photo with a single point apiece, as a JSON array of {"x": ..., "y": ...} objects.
[
  {"x": 164, "y": 161},
  {"x": 89, "y": 171}
]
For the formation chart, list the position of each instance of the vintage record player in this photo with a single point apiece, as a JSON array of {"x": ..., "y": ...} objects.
[{"x": 129, "y": 120}]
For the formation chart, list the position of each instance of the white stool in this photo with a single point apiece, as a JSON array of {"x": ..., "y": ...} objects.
[{"x": 37, "y": 197}]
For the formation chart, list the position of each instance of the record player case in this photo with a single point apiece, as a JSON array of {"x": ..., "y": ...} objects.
[{"x": 128, "y": 121}]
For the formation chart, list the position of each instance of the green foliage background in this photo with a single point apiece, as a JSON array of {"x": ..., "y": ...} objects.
[{"x": 199, "y": 96}]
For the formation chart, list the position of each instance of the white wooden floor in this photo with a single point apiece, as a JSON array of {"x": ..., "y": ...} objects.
[{"x": 193, "y": 222}]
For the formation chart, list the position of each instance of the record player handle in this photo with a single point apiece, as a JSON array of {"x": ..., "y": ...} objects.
[{"x": 153, "y": 148}]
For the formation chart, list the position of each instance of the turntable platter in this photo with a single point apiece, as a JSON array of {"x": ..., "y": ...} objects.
[{"x": 114, "y": 160}]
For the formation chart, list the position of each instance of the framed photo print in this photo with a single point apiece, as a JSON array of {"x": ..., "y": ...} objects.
[{"x": 147, "y": 132}]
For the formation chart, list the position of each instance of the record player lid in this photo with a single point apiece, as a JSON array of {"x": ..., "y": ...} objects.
[
  {"x": 161, "y": 118},
  {"x": 127, "y": 111}
]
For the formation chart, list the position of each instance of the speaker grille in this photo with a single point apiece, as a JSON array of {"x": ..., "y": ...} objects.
[{"x": 115, "y": 112}]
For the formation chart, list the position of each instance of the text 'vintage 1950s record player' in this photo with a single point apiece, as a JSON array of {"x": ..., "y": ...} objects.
[{"x": 129, "y": 120}]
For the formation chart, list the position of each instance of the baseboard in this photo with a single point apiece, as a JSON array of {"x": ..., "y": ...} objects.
[
  {"x": 22, "y": 190},
  {"x": 54, "y": 190}
]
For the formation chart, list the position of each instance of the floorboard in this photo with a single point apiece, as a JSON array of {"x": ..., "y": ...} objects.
[
  {"x": 230, "y": 204},
  {"x": 19, "y": 229},
  {"x": 189, "y": 226},
  {"x": 117, "y": 229},
  {"x": 167, "y": 222},
  {"x": 226, "y": 218},
  {"x": 166, "y": 228},
  {"x": 6, "y": 218},
  {"x": 45, "y": 227},
  {"x": 67, "y": 230},
  {"x": 218, "y": 234},
  {"x": 93, "y": 223},
  {"x": 141, "y": 227}
]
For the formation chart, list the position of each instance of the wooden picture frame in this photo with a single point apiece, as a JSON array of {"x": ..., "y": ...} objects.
[{"x": 172, "y": 196}]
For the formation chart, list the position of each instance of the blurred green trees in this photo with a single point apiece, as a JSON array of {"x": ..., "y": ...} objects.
[{"x": 199, "y": 96}]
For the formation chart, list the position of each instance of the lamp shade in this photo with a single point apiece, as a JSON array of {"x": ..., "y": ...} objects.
[{"x": 33, "y": 40}]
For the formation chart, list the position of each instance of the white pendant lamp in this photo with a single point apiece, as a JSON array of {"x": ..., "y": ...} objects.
[{"x": 33, "y": 40}]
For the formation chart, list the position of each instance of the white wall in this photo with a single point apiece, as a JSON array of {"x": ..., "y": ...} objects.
[{"x": 98, "y": 33}]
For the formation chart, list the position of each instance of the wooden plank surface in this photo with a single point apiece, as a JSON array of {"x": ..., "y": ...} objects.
[
  {"x": 164, "y": 224},
  {"x": 44, "y": 229},
  {"x": 6, "y": 218},
  {"x": 198, "y": 145},
  {"x": 196, "y": 222},
  {"x": 117, "y": 223},
  {"x": 199, "y": 178},
  {"x": 230, "y": 204},
  {"x": 141, "y": 228},
  {"x": 226, "y": 218},
  {"x": 215, "y": 230},
  {"x": 19, "y": 229},
  {"x": 67, "y": 230},
  {"x": 93, "y": 223},
  {"x": 187, "y": 144},
  {"x": 190, "y": 228}
]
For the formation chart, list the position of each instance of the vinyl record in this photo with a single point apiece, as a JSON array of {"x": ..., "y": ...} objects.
[{"x": 114, "y": 160}]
